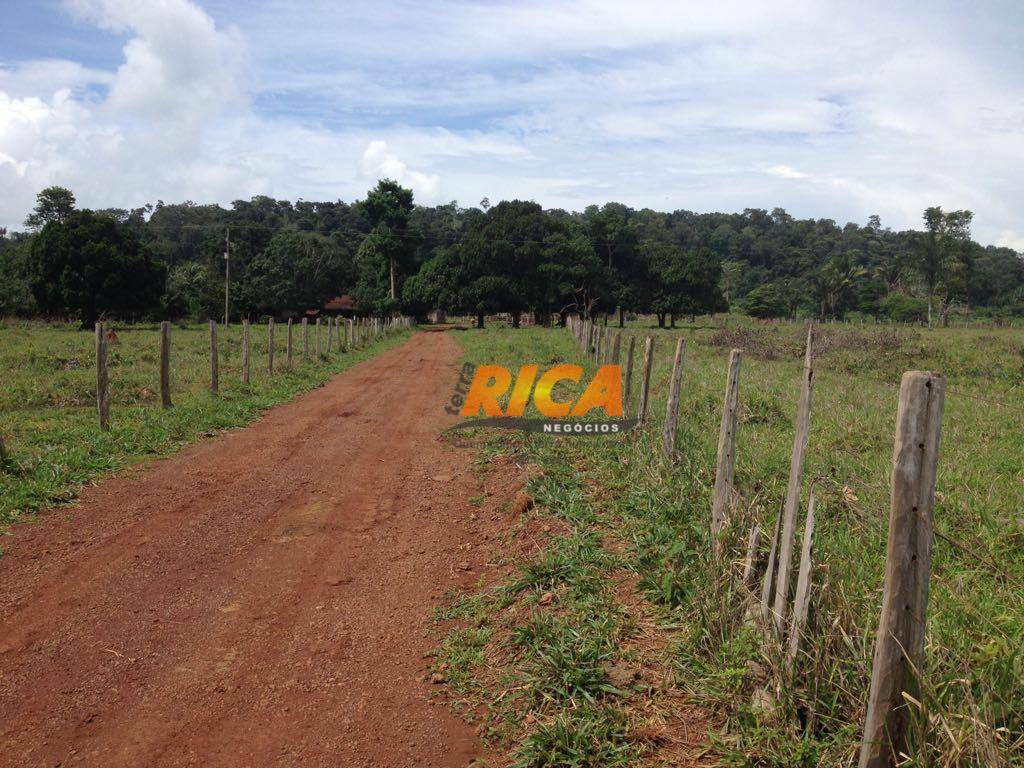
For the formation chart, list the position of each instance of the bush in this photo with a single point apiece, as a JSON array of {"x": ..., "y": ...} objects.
[{"x": 903, "y": 308}]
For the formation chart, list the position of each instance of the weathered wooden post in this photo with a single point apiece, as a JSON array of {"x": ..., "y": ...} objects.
[
  {"x": 645, "y": 380},
  {"x": 305, "y": 339},
  {"x": 802, "y": 599},
  {"x": 796, "y": 477},
  {"x": 726, "y": 467},
  {"x": 597, "y": 346},
  {"x": 899, "y": 646},
  {"x": 246, "y": 349},
  {"x": 330, "y": 335},
  {"x": 616, "y": 349},
  {"x": 214, "y": 359},
  {"x": 270, "y": 346},
  {"x": 668, "y": 435},
  {"x": 627, "y": 387},
  {"x": 165, "y": 363},
  {"x": 319, "y": 352},
  {"x": 102, "y": 380},
  {"x": 289, "y": 347}
]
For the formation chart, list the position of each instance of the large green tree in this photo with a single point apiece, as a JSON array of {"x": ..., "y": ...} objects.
[
  {"x": 296, "y": 271},
  {"x": 940, "y": 256},
  {"x": 387, "y": 254},
  {"x": 53, "y": 204},
  {"x": 88, "y": 265}
]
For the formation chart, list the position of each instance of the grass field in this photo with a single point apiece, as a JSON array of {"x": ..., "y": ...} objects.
[
  {"x": 48, "y": 392},
  {"x": 628, "y": 512}
]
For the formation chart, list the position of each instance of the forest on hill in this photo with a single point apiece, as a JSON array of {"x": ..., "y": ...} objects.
[{"x": 391, "y": 255}]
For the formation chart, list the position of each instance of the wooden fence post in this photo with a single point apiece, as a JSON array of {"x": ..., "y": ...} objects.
[
  {"x": 305, "y": 339},
  {"x": 616, "y": 349},
  {"x": 726, "y": 467},
  {"x": 318, "y": 350},
  {"x": 645, "y": 380},
  {"x": 796, "y": 477},
  {"x": 289, "y": 347},
  {"x": 246, "y": 349},
  {"x": 768, "y": 585},
  {"x": 668, "y": 435},
  {"x": 165, "y": 363},
  {"x": 270, "y": 346},
  {"x": 899, "y": 646},
  {"x": 214, "y": 359},
  {"x": 802, "y": 599},
  {"x": 627, "y": 387},
  {"x": 102, "y": 379}
]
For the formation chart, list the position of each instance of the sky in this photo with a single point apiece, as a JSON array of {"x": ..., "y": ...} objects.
[{"x": 835, "y": 110}]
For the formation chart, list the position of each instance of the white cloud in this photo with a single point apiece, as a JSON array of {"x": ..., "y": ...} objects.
[{"x": 378, "y": 162}]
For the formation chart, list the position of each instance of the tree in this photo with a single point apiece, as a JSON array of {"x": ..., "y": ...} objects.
[
  {"x": 686, "y": 282},
  {"x": 939, "y": 254},
  {"x": 388, "y": 207},
  {"x": 765, "y": 301},
  {"x": 295, "y": 271},
  {"x": 89, "y": 265},
  {"x": 52, "y": 204},
  {"x": 193, "y": 290}
]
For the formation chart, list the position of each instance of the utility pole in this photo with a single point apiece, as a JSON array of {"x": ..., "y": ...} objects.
[{"x": 227, "y": 273}]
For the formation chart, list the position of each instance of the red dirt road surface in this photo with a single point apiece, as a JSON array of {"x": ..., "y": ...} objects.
[{"x": 260, "y": 599}]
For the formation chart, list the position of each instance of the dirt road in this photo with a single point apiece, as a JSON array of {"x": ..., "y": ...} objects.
[{"x": 259, "y": 599}]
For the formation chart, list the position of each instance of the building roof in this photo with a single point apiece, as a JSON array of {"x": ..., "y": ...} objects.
[{"x": 340, "y": 303}]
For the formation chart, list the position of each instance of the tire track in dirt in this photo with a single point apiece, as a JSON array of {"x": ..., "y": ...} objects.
[{"x": 259, "y": 599}]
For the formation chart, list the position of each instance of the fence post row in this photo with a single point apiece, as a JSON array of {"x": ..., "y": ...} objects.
[
  {"x": 668, "y": 436},
  {"x": 796, "y": 474},
  {"x": 726, "y": 468},
  {"x": 165, "y": 364},
  {"x": 899, "y": 646},
  {"x": 102, "y": 380},
  {"x": 214, "y": 359}
]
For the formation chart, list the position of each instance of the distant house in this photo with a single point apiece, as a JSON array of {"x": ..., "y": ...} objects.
[{"x": 339, "y": 306}]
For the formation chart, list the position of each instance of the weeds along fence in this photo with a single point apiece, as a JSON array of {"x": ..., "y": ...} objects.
[
  {"x": 767, "y": 573},
  {"x": 335, "y": 336}
]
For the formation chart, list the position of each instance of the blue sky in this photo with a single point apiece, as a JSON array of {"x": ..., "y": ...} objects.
[{"x": 829, "y": 109}]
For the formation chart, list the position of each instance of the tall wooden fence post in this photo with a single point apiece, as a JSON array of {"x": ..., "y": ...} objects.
[
  {"x": 668, "y": 435},
  {"x": 165, "y": 363},
  {"x": 796, "y": 478},
  {"x": 899, "y": 646},
  {"x": 305, "y": 339},
  {"x": 645, "y": 380},
  {"x": 270, "y": 346},
  {"x": 616, "y": 349},
  {"x": 317, "y": 338},
  {"x": 245, "y": 351},
  {"x": 289, "y": 348},
  {"x": 627, "y": 387},
  {"x": 726, "y": 467},
  {"x": 330, "y": 335},
  {"x": 214, "y": 359},
  {"x": 102, "y": 379}
]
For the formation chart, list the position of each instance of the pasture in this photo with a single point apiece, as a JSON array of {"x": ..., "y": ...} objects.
[
  {"x": 48, "y": 416},
  {"x": 628, "y": 513}
]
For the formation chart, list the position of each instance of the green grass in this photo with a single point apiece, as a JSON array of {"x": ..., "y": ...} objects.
[
  {"x": 659, "y": 512},
  {"x": 47, "y": 400}
]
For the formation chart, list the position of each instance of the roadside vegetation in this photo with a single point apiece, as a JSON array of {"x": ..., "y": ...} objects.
[
  {"x": 48, "y": 415},
  {"x": 541, "y": 649}
]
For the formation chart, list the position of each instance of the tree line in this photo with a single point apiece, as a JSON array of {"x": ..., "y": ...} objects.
[{"x": 391, "y": 255}]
